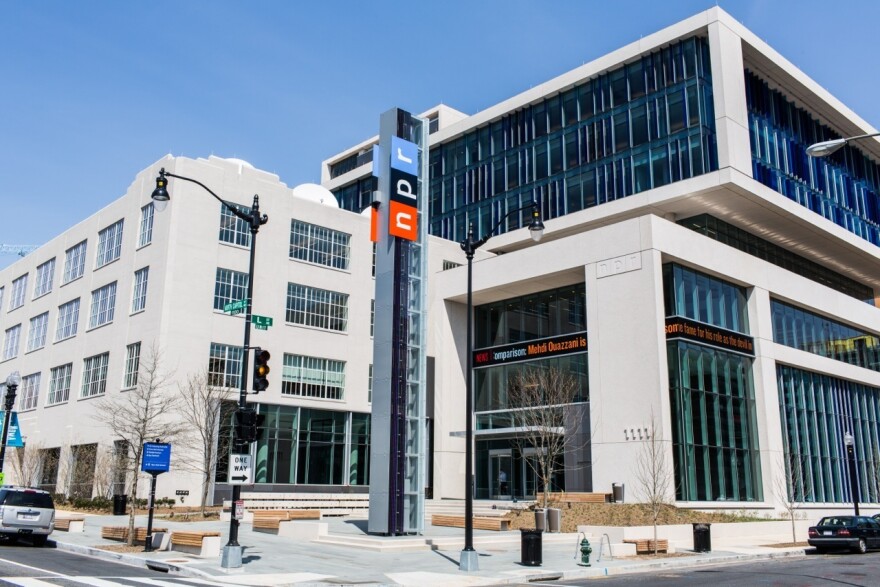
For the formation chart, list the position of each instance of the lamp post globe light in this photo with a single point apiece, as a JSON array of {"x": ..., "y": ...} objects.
[
  {"x": 849, "y": 441},
  {"x": 825, "y": 148},
  {"x": 161, "y": 197},
  {"x": 469, "y": 560},
  {"x": 12, "y": 383}
]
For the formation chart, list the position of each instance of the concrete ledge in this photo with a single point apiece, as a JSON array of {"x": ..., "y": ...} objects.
[{"x": 302, "y": 530}]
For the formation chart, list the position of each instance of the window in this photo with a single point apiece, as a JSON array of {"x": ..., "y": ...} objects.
[
  {"x": 16, "y": 298},
  {"x": 139, "y": 292},
  {"x": 233, "y": 229},
  {"x": 59, "y": 384},
  {"x": 74, "y": 262},
  {"x": 45, "y": 276},
  {"x": 313, "y": 377},
  {"x": 146, "y": 234},
  {"x": 68, "y": 319},
  {"x": 132, "y": 364},
  {"x": 94, "y": 381},
  {"x": 2, "y": 291},
  {"x": 320, "y": 245},
  {"x": 229, "y": 286},
  {"x": 224, "y": 365},
  {"x": 10, "y": 343},
  {"x": 103, "y": 305},
  {"x": 109, "y": 244},
  {"x": 37, "y": 332},
  {"x": 30, "y": 391},
  {"x": 320, "y": 308},
  {"x": 372, "y": 316}
]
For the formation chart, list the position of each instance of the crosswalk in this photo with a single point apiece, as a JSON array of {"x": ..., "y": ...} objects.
[{"x": 79, "y": 581}]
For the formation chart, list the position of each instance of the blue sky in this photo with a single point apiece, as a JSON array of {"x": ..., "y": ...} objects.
[{"x": 94, "y": 91}]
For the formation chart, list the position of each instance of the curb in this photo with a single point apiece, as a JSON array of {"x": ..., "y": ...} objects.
[{"x": 133, "y": 560}]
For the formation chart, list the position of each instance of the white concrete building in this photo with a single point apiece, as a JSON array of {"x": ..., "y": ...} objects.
[{"x": 724, "y": 284}]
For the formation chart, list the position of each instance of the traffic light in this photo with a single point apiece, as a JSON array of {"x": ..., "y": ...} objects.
[
  {"x": 248, "y": 425},
  {"x": 261, "y": 370}
]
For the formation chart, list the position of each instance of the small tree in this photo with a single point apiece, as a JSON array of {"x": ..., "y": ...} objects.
[
  {"x": 654, "y": 476},
  {"x": 547, "y": 417},
  {"x": 27, "y": 464},
  {"x": 202, "y": 408},
  {"x": 141, "y": 415},
  {"x": 791, "y": 488}
]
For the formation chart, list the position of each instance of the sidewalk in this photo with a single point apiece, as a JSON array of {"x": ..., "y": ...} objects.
[{"x": 348, "y": 555}]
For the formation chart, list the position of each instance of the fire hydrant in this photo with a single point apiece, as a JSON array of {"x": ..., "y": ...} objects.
[{"x": 586, "y": 549}]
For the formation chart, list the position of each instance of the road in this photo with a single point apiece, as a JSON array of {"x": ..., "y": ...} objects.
[
  {"x": 23, "y": 565},
  {"x": 844, "y": 570}
]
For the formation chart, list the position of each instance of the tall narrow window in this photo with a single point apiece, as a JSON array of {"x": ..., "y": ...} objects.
[
  {"x": 10, "y": 343},
  {"x": 229, "y": 286},
  {"x": 320, "y": 245},
  {"x": 2, "y": 291},
  {"x": 94, "y": 381},
  {"x": 146, "y": 233},
  {"x": 74, "y": 262},
  {"x": 103, "y": 305},
  {"x": 45, "y": 276},
  {"x": 30, "y": 391},
  {"x": 233, "y": 229},
  {"x": 37, "y": 332},
  {"x": 68, "y": 320},
  {"x": 139, "y": 291},
  {"x": 224, "y": 365},
  {"x": 132, "y": 365},
  {"x": 16, "y": 298},
  {"x": 109, "y": 244},
  {"x": 59, "y": 385}
]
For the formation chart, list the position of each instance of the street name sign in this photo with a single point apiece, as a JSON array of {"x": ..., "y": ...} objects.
[
  {"x": 235, "y": 307},
  {"x": 240, "y": 469},
  {"x": 261, "y": 322}
]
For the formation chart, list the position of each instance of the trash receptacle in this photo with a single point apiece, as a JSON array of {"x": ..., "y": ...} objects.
[
  {"x": 702, "y": 538},
  {"x": 119, "y": 504},
  {"x": 554, "y": 520},
  {"x": 617, "y": 492},
  {"x": 531, "y": 547},
  {"x": 540, "y": 519}
]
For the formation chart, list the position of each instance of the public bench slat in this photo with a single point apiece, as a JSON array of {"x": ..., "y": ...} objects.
[
  {"x": 121, "y": 532},
  {"x": 499, "y": 523},
  {"x": 580, "y": 497},
  {"x": 187, "y": 538},
  {"x": 64, "y": 523},
  {"x": 270, "y": 519},
  {"x": 646, "y": 545}
]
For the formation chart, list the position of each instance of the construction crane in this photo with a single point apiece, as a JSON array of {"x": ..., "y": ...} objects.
[{"x": 20, "y": 250}]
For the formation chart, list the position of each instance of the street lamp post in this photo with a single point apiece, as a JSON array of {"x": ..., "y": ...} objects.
[
  {"x": 469, "y": 560},
  {"x": 232, "y": 552},
  {"x": 12, "y": 383},
  {"x": 827, "y": 147},
  {"x": 851, "y": 464}
]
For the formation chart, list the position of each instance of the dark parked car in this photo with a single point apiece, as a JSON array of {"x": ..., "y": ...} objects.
[
  {"x": 26, "y": 512},
  {"x": 858, "y": 533}
]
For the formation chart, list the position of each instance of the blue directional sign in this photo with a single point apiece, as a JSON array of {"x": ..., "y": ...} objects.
[{"x": 156, "y": 457}]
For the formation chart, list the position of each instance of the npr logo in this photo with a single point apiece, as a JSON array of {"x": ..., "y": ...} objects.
[{"x": 403, "y": 205}]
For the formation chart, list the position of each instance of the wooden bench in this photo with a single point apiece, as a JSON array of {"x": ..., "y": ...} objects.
[
  {"x": 646, "y": 545},
  {"x": 121, "y": 533},
  {"x": 270, "y": 519},
  {"x": 205, "y": 544},
  {"x": 499, "y": 523},
  {"x": 71, "y": 524},
  {"x": 579, "y": 497}
]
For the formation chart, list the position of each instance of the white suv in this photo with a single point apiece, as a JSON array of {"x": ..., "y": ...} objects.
[{"x": 26, "y": 512}]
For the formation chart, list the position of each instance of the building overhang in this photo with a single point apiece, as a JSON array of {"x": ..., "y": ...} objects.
[{"x": 513, "y": 432}]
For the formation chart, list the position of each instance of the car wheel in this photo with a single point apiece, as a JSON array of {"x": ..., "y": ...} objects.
[
  {"x": 861, "y": 547},
  {"x": 39, "y": 539}
]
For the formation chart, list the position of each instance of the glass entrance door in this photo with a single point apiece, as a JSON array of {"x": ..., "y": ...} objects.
[
  {"x": 500, "y": 471},
  {"x": 530, "y": 481}
]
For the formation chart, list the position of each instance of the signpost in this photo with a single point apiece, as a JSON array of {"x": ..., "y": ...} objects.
[
  {"x": 236, "y": 307},
  {"x": 240, "y": 472},
  {"x": 155, "y": 460},
  {"x": 261, "y": 322}
]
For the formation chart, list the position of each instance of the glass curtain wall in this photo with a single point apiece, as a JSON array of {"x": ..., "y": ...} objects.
[
  {"x": 313, "y": 447},
  {"x": 711, "y": 394},
  {"x": 816, "y": 412}
]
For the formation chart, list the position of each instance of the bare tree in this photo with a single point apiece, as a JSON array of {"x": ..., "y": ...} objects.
[
  {"x": 105, "y": 471},
  {"x": 791, "y": 488},
  {"x": 147, "y": 412},
  {"x": 27, "y": 464},
  {"x": 548, "y": 417},
  {"x": 654, "y": 475},
  {"x": 202, "y": 409}
]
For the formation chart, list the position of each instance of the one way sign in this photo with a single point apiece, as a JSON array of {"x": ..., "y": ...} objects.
[{"x": 240, "y": 469}]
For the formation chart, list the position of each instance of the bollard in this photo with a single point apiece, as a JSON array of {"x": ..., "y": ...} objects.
[{"x": 586, "y": 549}]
